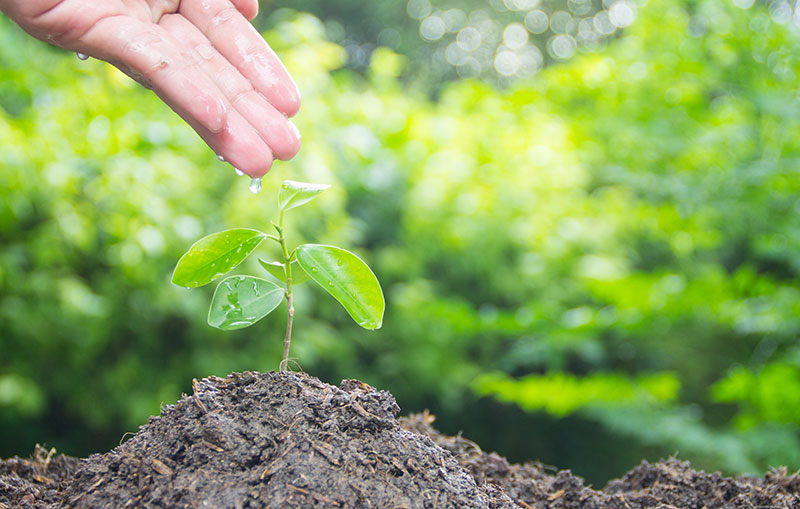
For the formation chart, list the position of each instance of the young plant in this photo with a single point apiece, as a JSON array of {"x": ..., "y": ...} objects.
[{"x": 241, "y": 301}]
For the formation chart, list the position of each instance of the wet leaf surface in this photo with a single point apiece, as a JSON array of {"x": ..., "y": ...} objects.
[
  {"x": 348, "y": 279},
  {"x": 214, "y": 255},
  {"x": 241, "y": 301}
]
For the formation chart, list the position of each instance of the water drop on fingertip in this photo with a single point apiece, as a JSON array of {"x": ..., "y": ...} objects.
[
  {"x": 255, "y": 185},
  {"x": 239, "y": 172},
  {"x": 81, "y": 56},
  {"x": 219, "y": 156}
]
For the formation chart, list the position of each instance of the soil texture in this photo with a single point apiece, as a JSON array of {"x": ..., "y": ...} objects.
[{"x": 288, "y": 440}]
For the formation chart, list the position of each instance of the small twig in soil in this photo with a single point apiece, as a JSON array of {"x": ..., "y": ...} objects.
[
  {"x": 325, "y": 453},
  {"x": 268, "y": 470},
  {"x": 316, "y": 496},
  {"x": 160, "y": 467},
  {"x": 214, "y": 447}
]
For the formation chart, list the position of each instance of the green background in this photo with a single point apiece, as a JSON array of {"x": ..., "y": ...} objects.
[{"x": 592, "y": 265}]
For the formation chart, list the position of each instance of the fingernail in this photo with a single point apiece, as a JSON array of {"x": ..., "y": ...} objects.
[
  {"x": 295, "y": 131},
  {"x": 218, "y": 114}
]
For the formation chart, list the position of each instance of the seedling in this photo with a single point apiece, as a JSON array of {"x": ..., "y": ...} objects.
[{"x": 241, "y": 301}]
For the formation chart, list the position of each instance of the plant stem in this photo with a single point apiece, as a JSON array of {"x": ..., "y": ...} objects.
[{"x": 287, "y": 268}]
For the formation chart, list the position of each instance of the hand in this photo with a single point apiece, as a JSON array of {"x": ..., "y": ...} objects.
[{"x": 201, "y": 57}]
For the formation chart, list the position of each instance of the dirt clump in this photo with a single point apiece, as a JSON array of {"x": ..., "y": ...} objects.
[
  {"x": 278, "y": 440},
  {"x": 37, "y": 482},
  {"x": 288, "y": 440},
  {"x": 668, "y": 484}
]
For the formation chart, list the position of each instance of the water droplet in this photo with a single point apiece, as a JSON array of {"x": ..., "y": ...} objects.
[
  {"x": 285, "y": 186},
  {"x": 82, "y": 56},
  {"x": 255, "y": 185},
  {"x": 330, "y": 283},
  {"x": 314, "y": 270},
  {"x": 239, "y": 172},
  {"x": 340, "y": 262},
  {"x": 219, "y": 156}
]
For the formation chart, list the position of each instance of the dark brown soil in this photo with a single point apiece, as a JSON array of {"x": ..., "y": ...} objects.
[{"x": 289, "y": 440}]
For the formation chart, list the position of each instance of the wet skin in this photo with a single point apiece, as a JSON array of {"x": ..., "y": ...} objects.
[{"x": 201, "y": 57}]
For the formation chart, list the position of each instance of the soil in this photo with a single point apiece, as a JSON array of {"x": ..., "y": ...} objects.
[{"x": 288, "y": 440}]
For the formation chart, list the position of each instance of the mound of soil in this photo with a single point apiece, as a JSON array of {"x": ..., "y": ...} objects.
[{"x": 288, "y": 440}]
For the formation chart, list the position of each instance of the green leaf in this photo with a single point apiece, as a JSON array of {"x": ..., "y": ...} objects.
[
  {"x": 212, "y": 256},
  {"x": 276, "y": 269},
  {"x": 241, "y": 301},
  {"x": 293, "y": 194},
  {"x": 348, "y": 279}
]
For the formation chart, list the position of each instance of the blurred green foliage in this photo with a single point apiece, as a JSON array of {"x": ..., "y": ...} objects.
[{"x": 616, "y": 241}]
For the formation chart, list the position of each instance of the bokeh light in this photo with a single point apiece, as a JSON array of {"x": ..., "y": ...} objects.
[{"x": 506, "y": 40}]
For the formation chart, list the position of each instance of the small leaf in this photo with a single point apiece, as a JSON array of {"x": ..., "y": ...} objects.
[
  {"x": 241, "y": 301},
  {"x": 276, "y": 269},
  {"x": 214, "y": 255},
  {"x": 293, "y": 194},
  {"x": 348, "y": 279}
]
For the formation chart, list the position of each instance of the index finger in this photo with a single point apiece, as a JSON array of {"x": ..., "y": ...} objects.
[{"x": 236, "y": 39}]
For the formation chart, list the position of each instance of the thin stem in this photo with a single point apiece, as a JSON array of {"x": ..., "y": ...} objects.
[
  {"x": 287, "y": 269},
  {"x": 288, "y": 339}
]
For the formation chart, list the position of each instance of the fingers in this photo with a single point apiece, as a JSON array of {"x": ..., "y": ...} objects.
[
  {"x": 248, "y": 8},
  {"x": 271, "y": 126},
  {"x": 243, "y": 46},
  {"x": 239, "y": 144},
  {"x": 149, "y": 54}
]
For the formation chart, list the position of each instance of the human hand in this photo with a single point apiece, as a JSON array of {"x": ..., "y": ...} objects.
[{"x": 201, "y": 57}]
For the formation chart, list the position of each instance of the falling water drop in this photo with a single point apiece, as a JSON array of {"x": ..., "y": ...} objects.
[
  {"x": 255, "y": 185},
  {"x": 239, "y": 172},
  {"x": 82, "y": 56}
]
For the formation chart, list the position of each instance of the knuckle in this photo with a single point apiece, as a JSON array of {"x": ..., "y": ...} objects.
[
  {"x": 205, "y": 51},
  {"x": 240, "y": 95},
  {"x": 222, "y": 16}
]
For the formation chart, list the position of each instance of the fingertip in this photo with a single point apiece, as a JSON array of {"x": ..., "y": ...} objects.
[
  {"x": 286, "y": 145},
  {"x": 245, "y": 150},
  {"x": 289, "y": 99},
  {"x": 262, "y": 170},
  {"x": 257, "y": 170},
  {"x": 248, "y": 8}
]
